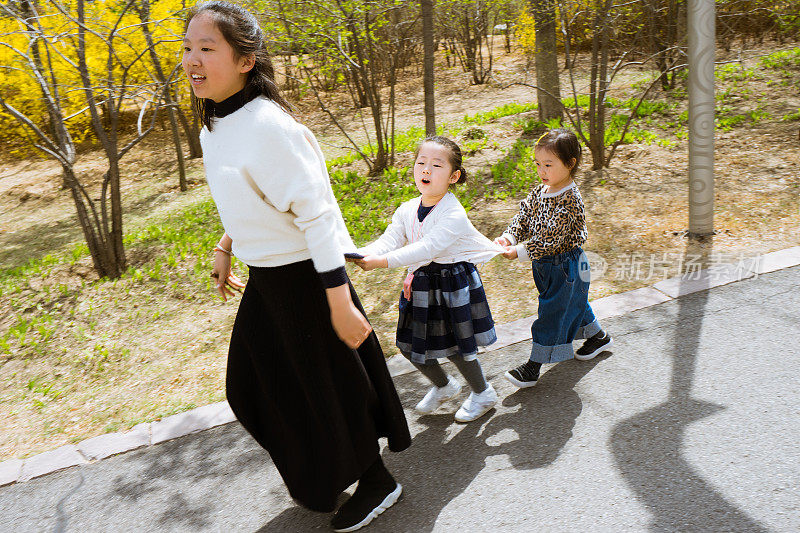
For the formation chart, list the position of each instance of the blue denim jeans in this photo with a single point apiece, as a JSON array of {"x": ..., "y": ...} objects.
[{"x": 564, "y": 311}]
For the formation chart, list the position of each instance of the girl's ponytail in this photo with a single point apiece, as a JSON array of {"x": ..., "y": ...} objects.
[{"x": 463, "y": 177}]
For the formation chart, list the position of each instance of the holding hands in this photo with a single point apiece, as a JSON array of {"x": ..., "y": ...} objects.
[
  {"x": 510, "y": 251},
  {"x": 370, "y": 262}
]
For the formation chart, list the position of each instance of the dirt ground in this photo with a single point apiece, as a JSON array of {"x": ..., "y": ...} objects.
[{"x": 171, "y": 346}]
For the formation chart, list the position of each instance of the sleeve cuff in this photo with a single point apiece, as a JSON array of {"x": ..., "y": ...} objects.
[
  {"x": 334, "y": 278},
  {"x": 522, "y": 253},
  {"x": 510, "y": 238},
  {"x": 391, "y": 261}
]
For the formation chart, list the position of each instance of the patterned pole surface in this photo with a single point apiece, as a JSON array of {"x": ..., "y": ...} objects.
[{"x": 701, "y": 29}]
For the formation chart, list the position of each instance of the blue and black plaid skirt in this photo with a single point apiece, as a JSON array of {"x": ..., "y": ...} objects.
[{"x": 447, "y": 315}]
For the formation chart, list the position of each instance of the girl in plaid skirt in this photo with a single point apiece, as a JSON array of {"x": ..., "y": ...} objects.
[{"x": 443, "y": 308}]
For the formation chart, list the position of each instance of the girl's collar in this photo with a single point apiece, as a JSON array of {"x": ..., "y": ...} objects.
[
  {"x": 232, "y": 103},
  {"x": 444, "y": 198},
  {"x": 553, "y": 194}
]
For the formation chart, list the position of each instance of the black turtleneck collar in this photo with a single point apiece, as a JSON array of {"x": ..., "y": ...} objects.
[{"x": 231, "y": 104}]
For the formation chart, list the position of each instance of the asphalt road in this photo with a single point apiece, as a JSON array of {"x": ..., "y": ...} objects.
[{"x": 692, "y": 424}]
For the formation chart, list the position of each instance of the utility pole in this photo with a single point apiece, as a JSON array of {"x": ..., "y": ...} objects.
[
  {"x": 427, "y": 81},
  {"x": 701, "y": 33}
]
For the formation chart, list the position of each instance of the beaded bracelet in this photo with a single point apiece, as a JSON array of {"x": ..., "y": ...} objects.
[{"x": 219, "y": 248}]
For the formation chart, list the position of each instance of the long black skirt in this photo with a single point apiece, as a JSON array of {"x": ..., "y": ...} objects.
[{"x": 317, "y": 406}]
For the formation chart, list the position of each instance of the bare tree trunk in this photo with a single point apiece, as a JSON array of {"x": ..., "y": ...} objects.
[
  {"x": 602, "y": 85},
  {"x": 469, "y": 45},
  {"x": 291, "y": 84},
  {"x": 192, "y": 132},
  {"x": 548, "y": 95},
  {"x": 61, "y": 146},
  {"x": 366, "y": 65},
  {"x": 114, "y": 256},
  {"x": 59, "y": 131},
  {"x": 91, "y": 227},
  {"x": 176, "y": 140},
  {"x": 428, "y": 76},
  {"x": 473, "y": 34},
  {"x": 103, "y": 233},
  {"x": 598, "y": 84},
  {"x": 144, "y": 15},
  {"x": 567, "y": 34}
]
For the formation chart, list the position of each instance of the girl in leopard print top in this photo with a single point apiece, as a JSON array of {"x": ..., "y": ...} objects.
[
  {"x": 548, "y": 223},
  {"x": 549, "y": 231}
]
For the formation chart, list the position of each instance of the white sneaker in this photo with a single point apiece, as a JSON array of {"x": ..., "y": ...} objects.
[
  {"x": 437, "y": 396},
  {"x": 477, "y": 405}
]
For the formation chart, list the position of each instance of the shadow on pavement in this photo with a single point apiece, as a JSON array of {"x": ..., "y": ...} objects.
[
  {"x": 445, "y": 457},
  {"x": 647, "y": 447},
  {"x": 190, "y": 461}
]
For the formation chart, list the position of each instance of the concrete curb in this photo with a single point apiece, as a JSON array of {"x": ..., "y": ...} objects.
[{"x": 209, "y": 416}]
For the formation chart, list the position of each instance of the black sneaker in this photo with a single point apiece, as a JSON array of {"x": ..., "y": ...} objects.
[
  {"x": 525, "y": 375},
  {"x": 593, "y": 346},
  {"x": 367, "y": 502}
]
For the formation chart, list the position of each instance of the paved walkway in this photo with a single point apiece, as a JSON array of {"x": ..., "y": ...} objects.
[{"x": 691, "y": 425}]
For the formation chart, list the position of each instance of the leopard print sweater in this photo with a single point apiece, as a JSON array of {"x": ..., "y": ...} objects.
[{"x": 551, "y": 225}]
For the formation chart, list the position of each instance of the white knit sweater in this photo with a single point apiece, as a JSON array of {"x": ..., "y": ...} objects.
[
  {"x": 268, "y": 178},
  {"x": 445, "y": 236}
]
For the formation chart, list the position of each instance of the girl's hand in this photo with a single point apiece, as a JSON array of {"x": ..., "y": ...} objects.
[
  {"x": 502, "y": 241},
  {"x": 371, "y": 262},
  {"x": 225, "y": 279},
  {"x": 510, "y": 252},
  {"x": 407, "y": 286},
  {"x": 349, "y": 324}
]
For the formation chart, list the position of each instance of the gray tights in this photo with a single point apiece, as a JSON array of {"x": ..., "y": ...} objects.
[{"x": 471, "y": 370}]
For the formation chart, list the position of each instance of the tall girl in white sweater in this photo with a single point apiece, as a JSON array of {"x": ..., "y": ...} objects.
[
  {"x": 443, "y": 308},
  {"x": 306, "y": 375}
]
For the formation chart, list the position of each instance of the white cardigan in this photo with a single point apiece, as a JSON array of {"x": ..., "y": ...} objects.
[
  {"x": 268, "y": 178},
  {"x": 447, "y": 237}
]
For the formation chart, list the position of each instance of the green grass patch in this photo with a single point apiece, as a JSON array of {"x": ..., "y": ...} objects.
[
  {"x": 515, "y": 173},
  {"x": 499, "y": 112},
  {"x": 791, "y": 116},
  {"x": 726, "y": 122},
  {"x": 645, "y": 109},
  {"x": 367, "y": 203},
  {"x": 726, "y": 119},
  {"x": 735, "y": 72},
  {"x": 634, "y": 134},
  {"x": 530, "y": 125},
  {"x": 782, "y": 59},
  {"x": 582, "y": 101},
  {"x": 408, "y": 139},
  {"x": 342, "y": 160}
]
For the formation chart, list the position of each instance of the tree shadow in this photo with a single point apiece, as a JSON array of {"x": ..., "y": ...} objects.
[
  {"x": 647, "y": 447},
  {"x": 445, "y": 457},
  {"x": 37, "y": 240},
  {"x": 213, "y": 454}
]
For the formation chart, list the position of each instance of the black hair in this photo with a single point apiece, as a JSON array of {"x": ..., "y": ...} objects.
[
  {"x": 242, "y": 32},
  {"x": 455, "y": 153},
  {"x": 564, "y": 143}
]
